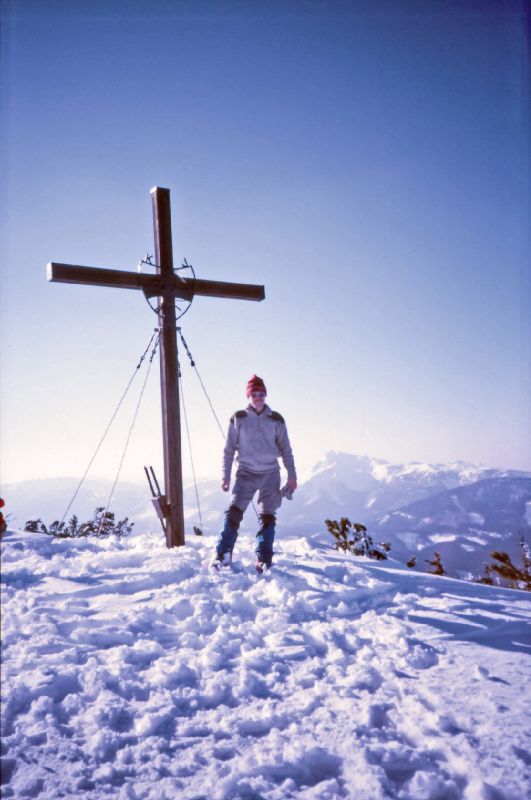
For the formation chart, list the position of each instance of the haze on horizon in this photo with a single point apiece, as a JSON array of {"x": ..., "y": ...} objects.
[{"x": 367, "y": 162}]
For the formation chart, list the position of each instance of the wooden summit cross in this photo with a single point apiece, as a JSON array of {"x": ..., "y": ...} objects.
[{"x": 168, "y": 286}]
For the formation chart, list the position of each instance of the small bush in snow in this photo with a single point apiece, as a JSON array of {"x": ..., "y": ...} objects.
[
  {"x": 102, "y": 524},
  {"x": 353, "y": 537},
  {"x": 513, "y": 576},
  {"x": 438, "y": 568},
  {"x": 487, "y": 576}
]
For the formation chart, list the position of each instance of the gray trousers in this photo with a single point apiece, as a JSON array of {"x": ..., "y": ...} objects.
[{"x": 267, "y": 484}]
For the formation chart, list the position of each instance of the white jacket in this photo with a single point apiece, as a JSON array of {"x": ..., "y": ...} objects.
[{"x": 260, "y": 440}]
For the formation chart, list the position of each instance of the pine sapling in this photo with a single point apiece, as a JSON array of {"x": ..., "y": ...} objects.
[
  {"x": 102, "y": 524},
  {"x": 353, "y": 538},
  {"x": 487, "y": 576},
  {"x": 517, "y": 577},
  {"x": 438, "y": 568}
]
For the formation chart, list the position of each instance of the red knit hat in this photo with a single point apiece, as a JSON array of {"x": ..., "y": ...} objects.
[{"x": 255, "y": 384}]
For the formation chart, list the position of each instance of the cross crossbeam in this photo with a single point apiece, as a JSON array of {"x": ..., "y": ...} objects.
[
  {"x": 169, "y": 286},
  {"x": 152, "y": 285}
]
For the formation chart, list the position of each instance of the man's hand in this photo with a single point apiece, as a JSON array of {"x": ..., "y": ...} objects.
[
  {"x": 225, "y": 485},
  {"x": 288, "y": 488}
]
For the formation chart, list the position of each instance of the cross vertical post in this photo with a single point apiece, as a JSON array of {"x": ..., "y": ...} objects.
[{"x": 169, "y": 380}]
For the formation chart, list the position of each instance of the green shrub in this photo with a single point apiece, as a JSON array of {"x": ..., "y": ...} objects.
[
  {"x": 517, "y": 577},
  {"x": 505, "y": 573},
  {"x": 101, "y": 525},
  {"x": 353, "y": 537},
  {"x": 438, "y": 568}
]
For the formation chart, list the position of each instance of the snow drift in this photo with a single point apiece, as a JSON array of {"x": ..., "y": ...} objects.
[{"x": 132, "y": 672}]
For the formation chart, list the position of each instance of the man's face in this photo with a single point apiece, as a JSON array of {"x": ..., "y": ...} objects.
[{"x": 257, "y": 400}]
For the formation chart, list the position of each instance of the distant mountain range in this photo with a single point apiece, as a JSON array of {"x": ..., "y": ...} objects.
[
  {"x": 465, "y": 511},
  {"x": 462, "y": 510}
]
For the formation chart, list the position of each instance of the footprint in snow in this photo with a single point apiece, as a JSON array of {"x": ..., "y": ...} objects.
[
  {"x": 482, "y": 672},
  {"x": 377, "y": 715},
  {"x": 447, "y": 724},
  {"x": 224, "y": 753},
  {"x": 421, "y": 655},
  {"x": 255, "y": 727}
]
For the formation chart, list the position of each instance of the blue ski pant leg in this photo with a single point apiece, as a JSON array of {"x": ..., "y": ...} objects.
[
  {"x": 265, "y": 538},
  {"x": 229, "y": 534},
  {"x": 269, "y": 500},
  {"x": 242, "y": 494}
]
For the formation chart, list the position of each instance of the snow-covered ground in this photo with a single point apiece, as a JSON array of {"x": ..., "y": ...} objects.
[{"x": 130, "y": 671}]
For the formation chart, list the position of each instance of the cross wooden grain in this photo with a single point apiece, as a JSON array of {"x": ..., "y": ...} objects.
[{"x": 168, "y": 286}]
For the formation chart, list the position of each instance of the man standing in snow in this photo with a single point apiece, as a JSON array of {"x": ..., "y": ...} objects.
[{"x": 260, "y": 437}]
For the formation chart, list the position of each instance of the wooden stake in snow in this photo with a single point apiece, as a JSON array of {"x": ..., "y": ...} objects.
[{"x": 168, "y": 287}]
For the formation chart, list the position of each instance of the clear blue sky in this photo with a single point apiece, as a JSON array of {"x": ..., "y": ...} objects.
[{"x": 367, "y": 161}]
